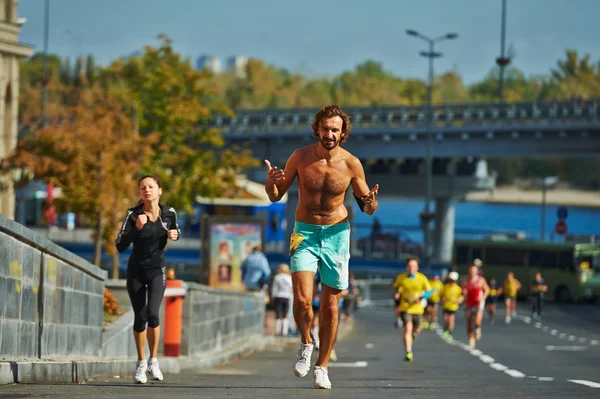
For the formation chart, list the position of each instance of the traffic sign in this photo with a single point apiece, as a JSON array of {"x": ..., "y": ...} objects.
[
  {"x": 560, "y": 227},
  {"x": 562, "y": 212}
]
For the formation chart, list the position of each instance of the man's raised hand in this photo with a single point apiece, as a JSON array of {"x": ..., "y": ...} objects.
[
  {"x": 370, "y": 196},
  {"x": 274, "y": 175}
]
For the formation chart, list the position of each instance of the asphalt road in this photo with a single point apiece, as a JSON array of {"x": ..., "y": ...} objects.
[{"x": 557, "y": 358}]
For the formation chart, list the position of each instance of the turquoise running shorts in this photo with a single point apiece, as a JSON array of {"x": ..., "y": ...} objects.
[{"x": 326, "y": 247}]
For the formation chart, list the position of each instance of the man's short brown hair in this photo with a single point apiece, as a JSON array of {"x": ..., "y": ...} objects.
[
  {"x": 416, "y": 259},
  {"x": 329, "y": 112}
]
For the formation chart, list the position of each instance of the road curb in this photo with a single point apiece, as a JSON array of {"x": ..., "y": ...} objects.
[{"x": 81, "y": 370}]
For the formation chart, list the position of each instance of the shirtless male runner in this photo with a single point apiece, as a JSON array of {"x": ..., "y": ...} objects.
[{"x": 321, "y": 237}]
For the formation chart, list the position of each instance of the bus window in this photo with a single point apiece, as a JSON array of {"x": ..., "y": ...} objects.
[
  {"x": 462, "y": 255},
  {"x": 565, "y": 261},
  {"x": 503, "y": 256},
  {"x": 477, "y": 253},
  {"x": 543, "y": 259}
]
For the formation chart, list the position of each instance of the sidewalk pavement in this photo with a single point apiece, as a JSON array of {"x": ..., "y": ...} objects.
[{"x": 54, "y": 371}]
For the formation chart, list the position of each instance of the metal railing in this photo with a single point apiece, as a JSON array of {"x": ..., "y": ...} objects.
[{"x": 449, "y": 115}]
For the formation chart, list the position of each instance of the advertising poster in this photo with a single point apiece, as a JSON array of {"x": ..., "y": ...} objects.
[{"x": 230, "y": 243}]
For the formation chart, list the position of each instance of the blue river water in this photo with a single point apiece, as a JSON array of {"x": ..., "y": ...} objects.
[{"x": 477, "y": 219}]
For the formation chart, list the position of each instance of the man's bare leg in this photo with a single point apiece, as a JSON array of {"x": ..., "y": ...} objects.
[
  {"x": 330, "y": 303},
  {"x": 303, "y": 283}
]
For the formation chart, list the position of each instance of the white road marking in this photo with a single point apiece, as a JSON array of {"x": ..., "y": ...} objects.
[
  {"x": 572, "y": 338},
  {"x": 538, "y": 325},
  {"x": 514, "y": 373},
  {"x": 572, "y": 348},
  {"x": 369, "y": 346},
  {"x": 582, "y": 339},
  {"x": 486, "y": 359},
  {"x": 586, "y": 383},
  {"x": 546, "y": 379},
  {"x": 483, "y": 357},
  {"x": 562, "y": 335},
  {"x": 546, "y": 328},
  {"x": 553, "y": 332},
  {"x": 498, "y": 366},
  {"x": 355, "y": 364},
  {"x": 593, "y": 342}
]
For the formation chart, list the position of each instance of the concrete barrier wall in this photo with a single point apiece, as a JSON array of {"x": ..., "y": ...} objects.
[
  {"x": 51, "y": 301},
  {"x": 214, "y": 319}
]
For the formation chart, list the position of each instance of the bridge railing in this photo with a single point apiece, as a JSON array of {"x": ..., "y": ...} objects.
[{"x": 448, "y": 115}]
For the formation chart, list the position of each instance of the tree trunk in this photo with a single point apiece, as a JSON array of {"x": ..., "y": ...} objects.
[
  {"x": 115, "y": 266},
  {"x": 98, "y": 238},
  {"x": 100, "y": 215}
]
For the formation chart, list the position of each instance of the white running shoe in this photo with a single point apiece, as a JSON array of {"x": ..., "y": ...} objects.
[
  {"x": 471, "y": 342},
  {"x": 478, "y": 334},
  {"x": 154, "y": 370},
  {"x": 302, "y": 366},
  {"x": 321, "y": 378},
  {"x": 507, "y": 320},
  {"x": 141, "y": 368}
]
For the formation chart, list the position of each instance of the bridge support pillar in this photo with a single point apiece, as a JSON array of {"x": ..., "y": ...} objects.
[{"x": 443, "y": 237}]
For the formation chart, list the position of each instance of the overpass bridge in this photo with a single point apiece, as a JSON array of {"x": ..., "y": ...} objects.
[
  {"x": 391, "y": 142},
  {"x": 555, "y": 129}
]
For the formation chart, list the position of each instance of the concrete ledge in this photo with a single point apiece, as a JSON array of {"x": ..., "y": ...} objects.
[
  {"x": 33, "y": 239},
  {"x": 216, "y": 358}
]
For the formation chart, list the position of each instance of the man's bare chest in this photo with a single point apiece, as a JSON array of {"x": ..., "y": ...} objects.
[{"x": 324, "y": 179}]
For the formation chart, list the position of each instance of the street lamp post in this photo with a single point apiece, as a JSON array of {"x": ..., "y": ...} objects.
[
  {"x": 427, "y": 215},
  {"x": 503, "y": 60},
  {"x": 545, "y": 183},
  {"x": 45, "y": 76}
]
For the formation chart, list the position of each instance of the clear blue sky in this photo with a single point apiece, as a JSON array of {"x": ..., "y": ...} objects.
[{"x": 323, "y": 37}]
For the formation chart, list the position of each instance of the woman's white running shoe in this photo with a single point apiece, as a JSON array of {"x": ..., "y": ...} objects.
[
  {"x": 154, "y": 370},
  {"x": 141, "y": 368}
]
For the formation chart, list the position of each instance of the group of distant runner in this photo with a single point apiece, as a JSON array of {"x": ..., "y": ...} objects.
[{"x": 417, "y": 301}]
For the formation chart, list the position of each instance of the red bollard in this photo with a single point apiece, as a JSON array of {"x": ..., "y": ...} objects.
[{"x": 173, "y": 319}]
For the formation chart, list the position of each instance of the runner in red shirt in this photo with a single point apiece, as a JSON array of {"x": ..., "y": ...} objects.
[{"x": 475, "y": 291}]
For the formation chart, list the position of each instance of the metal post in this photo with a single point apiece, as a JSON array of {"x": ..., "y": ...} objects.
[
  {"x": 45, "y": 63},
  {"x": 542, "y": 235},
  {"x": 502, "y": 61},
  {"x": 428, "y": 162}
]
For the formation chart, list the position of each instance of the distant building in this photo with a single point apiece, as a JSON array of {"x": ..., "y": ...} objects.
[
  {"x": 237, "y": 65},
  {"x": 208, "y": 63},
  {"x": 11, "y": 51}
]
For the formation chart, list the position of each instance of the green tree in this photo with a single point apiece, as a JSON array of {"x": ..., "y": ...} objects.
[{"x": 170, "y": 95}]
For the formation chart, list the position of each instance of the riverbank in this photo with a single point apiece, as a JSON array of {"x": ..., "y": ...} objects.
[{"x": 515, "y": 195}]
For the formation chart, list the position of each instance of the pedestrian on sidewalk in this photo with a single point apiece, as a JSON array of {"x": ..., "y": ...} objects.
[
  {"x": 282, "y": 294},
  {"x": 148, "y": 226},
  {"x": 256, "y": 270}
]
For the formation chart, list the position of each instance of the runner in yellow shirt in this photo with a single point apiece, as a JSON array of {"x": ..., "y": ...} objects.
[
  {"x": 452, "y": 297},
  {"x": 511, "y": 289},
  {"x": 412, "y": 288},
  {"x": 433, "y": 303}
]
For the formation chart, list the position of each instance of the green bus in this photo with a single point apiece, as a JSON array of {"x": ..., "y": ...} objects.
[{"x": 565, "y": 267}]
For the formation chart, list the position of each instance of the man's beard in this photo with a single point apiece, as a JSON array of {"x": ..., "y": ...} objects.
[{"x": 329, "y": 145}]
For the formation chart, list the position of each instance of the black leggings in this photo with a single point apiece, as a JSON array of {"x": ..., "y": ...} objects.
[
  {"x": 153, "y": 282},
  {"x": 282, "y": 306}
]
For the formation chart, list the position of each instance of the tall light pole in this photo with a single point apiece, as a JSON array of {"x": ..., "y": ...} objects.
[
  {"x": 427, "y": 214},
  {"x": 546, "y": 182},
  {"x": 45, "y": 63},
  {"x": 503, "y": 60}
]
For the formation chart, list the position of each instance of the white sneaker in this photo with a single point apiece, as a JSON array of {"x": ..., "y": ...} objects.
[
  {"x": 154, "y": 370},
  {"x": 141, "y": 368},
  {"x": 471, "y": 342},
  {"x": 302, "y": 366},
  {"x": 478, "y": 334},
  {"x": 321, "y": 378},
  {"x": 507, "y": 320}
]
